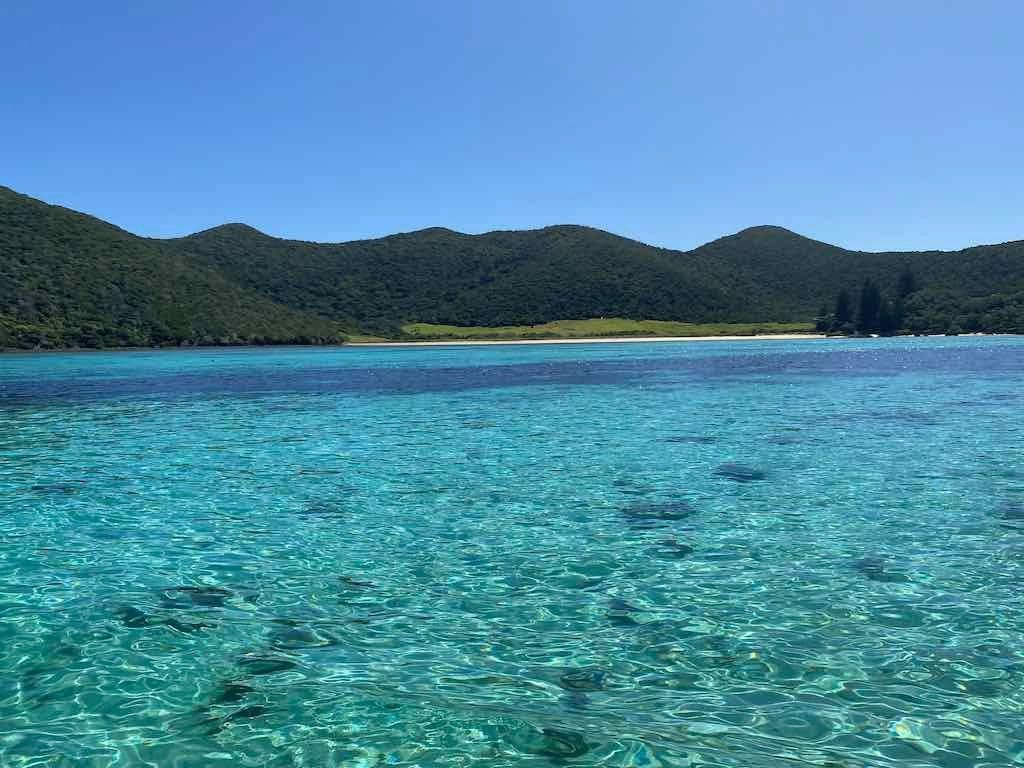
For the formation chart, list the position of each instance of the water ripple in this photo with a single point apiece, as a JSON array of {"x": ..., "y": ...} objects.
[{"x": 689, "y": 555}]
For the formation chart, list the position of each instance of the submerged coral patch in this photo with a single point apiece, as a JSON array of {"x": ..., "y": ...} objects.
[{"x": 739, "y": 473}]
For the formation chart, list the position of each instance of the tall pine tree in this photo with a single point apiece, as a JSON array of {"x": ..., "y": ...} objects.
[
  {"x": 844, "y": 308},
  {"x": 888, "y": 321},
  {"x": 870, "y": 304}
]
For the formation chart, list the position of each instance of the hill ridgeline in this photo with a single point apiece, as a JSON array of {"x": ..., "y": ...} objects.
[{"x": 71, "y": 280}]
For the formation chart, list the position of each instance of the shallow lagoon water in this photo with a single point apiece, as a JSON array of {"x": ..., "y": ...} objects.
[{"x": 678, "y": 554}]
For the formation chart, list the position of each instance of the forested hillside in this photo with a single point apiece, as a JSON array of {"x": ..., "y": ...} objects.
[
  {"x": 67, "y": 279},
  {"x": 501, "y": 278},
  {"x": 72, "y": 280}
]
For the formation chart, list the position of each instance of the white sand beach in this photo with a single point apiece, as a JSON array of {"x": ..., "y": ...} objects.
[{"x": 590, "y": 340}]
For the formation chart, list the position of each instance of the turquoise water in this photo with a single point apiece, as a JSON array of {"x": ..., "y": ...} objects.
[{"x": 686, "y": 554}]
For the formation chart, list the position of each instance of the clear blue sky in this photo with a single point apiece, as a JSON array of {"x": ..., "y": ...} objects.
[{"x": 869, "y": 124}]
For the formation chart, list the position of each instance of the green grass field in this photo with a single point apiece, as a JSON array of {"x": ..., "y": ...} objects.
[{"x": 597, "y": 328}]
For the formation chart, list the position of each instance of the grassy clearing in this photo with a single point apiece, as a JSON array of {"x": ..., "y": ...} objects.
[{"x": 599, "y": 327}]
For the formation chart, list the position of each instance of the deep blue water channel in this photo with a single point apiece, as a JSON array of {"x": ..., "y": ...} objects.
[{"x": 763, "y": 554}]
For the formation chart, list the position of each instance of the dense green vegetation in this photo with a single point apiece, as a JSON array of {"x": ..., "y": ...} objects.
[
  {"x": 67, "y": 279},
  {"x": 914, "y": 308},
  {"x": 597, "y": 328},
  {"x": 877, "y": 313},
  {"x": 763, "y": 274},
  {"x": 499, "y": 279}
]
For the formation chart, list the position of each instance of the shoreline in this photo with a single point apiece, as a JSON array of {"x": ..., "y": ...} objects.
[
  {"x": 586, "y": 340},
  {"x": 424, "y": 343},
  {"x": 8, "y": 351}
]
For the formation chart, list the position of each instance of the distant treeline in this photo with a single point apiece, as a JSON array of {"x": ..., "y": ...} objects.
[
  {"x": 875, "y": 312},
  {"x": 70, "y": 280},
  {"x": 912, "y": 308}
]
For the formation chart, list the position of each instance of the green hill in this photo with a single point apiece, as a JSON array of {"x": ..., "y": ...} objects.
[
  {"x": 762, "y": 274},
  {"x": 440, "y": 276},
  {"x": 67, "y": 279},
  {"x": 803, "y": 275}
]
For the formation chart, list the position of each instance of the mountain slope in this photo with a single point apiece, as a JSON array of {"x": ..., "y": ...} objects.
[
  {"x": 69, "y": 279},
  {"x": 803, "y": 274},
  {"x": 436, "y": 275},
  {"x": 521, "y": 278}
]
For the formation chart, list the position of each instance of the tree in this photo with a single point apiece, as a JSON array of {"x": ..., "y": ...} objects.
[
  {"x": 907, "y": 283},
  {"x": 823, "y": 321},
  {"x": 844, "y": 307},
  {"x": 870, "y": 304},
  {"x": 899, "y": 314},
  {"x": 888, "y": 321}
]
